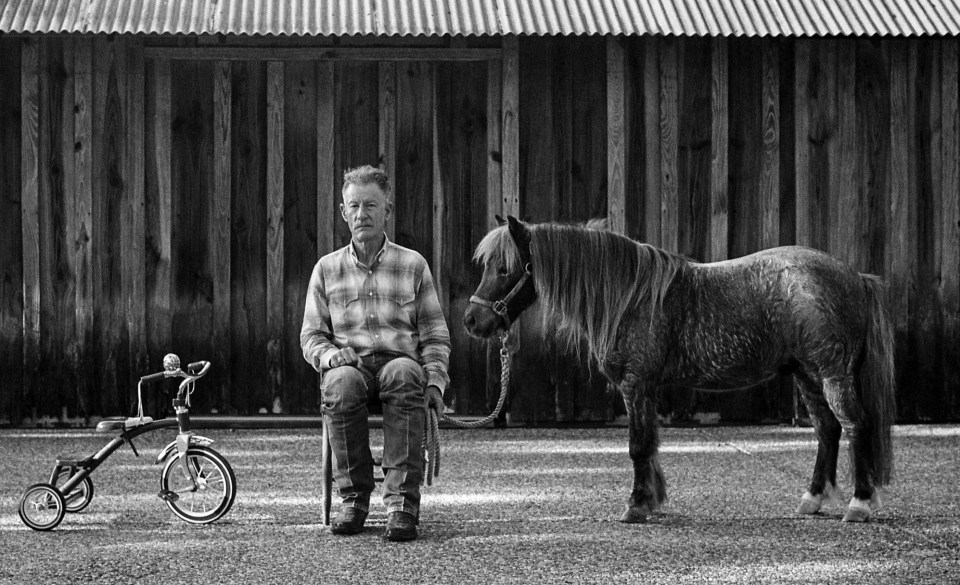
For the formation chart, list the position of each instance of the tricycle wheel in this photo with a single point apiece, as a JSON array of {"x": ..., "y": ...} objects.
[
  {"x": 80, "y": 496},
  {"x": 42, "y": 507},
  {"x": 216, "y": 486}
]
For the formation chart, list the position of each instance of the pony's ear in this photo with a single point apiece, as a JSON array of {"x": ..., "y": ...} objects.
[
  {"x": 500, "y": 220},
  {"x": 518, "y": 230}
]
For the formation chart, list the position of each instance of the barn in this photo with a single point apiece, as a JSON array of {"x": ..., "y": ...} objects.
[{"x": 170, "y": 172}]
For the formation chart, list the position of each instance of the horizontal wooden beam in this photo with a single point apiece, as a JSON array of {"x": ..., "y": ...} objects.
[{"x": 322, "y": 54}]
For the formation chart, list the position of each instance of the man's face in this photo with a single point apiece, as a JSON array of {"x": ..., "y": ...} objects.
[{"x": 365, "y": 209}]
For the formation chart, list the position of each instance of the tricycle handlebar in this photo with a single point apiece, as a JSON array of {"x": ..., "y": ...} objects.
[{"x": 191, "y": 372}]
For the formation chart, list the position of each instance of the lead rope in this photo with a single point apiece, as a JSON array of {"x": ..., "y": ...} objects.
[{"x": 431, "y": 438}]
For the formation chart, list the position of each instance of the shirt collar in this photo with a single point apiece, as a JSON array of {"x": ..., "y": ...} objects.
[{"x": 376, "y": 259}]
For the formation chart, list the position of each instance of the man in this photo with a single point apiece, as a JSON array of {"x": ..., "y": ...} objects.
[{"x": 372, "y": 323}]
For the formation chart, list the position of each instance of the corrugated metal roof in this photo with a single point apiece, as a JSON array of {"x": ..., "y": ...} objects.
[{"x": 485, "y": 17}]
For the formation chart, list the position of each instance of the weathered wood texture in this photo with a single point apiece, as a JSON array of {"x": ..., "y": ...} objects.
[
  {"x": 157, "y": 200},
  {"x": 12, "y": 384},
  {"x": 563, "y": 173}
]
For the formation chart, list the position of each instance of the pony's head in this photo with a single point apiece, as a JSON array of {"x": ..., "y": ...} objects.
[{"x": 506, "y": 288}]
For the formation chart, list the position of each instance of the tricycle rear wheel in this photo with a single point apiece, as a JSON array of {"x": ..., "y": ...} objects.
[
  {"x": 42, "y": 507},
  {"x": 80, "y": 496}
]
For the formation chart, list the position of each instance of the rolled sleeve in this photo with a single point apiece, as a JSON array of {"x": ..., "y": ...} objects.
[
  {"x": 316, "y": 333},
  {"x": 434, "y": 337}
]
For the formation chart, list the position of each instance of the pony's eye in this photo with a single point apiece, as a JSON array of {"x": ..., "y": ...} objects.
[{"x": 503, "y": 271}]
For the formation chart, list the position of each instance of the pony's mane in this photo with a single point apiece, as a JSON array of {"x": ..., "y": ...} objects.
[
  {"x": 588, "y": 278},
  {"x": 498, "y": 246}
]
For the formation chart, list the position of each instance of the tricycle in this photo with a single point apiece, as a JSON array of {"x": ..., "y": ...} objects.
[{"x": 197, "y": 483}]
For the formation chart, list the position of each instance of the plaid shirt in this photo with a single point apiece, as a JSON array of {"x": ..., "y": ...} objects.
[{"x": 390, "y": 307}]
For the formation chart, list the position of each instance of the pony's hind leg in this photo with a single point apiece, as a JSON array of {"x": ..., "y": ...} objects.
[
  {"x": 649, "y": 485},
  {"x": 841, "y": 396},
  {"x": 823, "y": 484}
]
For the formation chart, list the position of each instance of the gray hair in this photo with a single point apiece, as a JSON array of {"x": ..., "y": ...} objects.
[{"x": 366, "y": 175}]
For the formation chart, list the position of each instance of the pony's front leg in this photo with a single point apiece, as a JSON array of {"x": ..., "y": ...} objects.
[{"x": 649, "y": 485}]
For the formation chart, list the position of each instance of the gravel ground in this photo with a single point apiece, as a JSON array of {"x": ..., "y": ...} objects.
[{"x": 509, "y": 506}]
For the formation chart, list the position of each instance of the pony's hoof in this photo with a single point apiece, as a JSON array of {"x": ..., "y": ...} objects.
[
  {"x": 857, "y": 511},
  {"x": 810, "y": 504},
  {"x": 635, "y": 516}
]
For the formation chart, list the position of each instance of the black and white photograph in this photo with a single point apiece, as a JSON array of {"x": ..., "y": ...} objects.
[{"x": 480, "y": 292}]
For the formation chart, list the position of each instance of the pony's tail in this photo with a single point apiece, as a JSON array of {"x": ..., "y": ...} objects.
[{"x": 876, "y": 381}]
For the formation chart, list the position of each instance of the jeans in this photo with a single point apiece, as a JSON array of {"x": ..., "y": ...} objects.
[{"x": 345, "y": 392}]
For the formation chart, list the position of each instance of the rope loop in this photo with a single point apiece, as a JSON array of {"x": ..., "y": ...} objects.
[{"x": 431, "y": 438}]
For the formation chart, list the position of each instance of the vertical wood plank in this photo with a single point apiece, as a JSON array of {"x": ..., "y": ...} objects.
[
  {"x": 823, "y": 143},
  {"x": 873, "y": 152},
  {"x": 949, "y": 292},
  {"x": 133, "y": 221},
  {"x": 669, "y": 125},
  {"x": 249, "y": 335},
  {"x": 510, "y": 127},
  {"x": 695, "y": 67},
  {"x": 275, "y": 116},
  {"x": 616, "y": 139},
  {"x": 494, "y": 142},
  {"x": 925, "y": 327},
  {"x": 547, "y": 116},
  {"x": 11, "y": 256},
  {"x": 55, "y": 380},
  {"x": 109, "y": 144},
  {"x": 82, "y": 239},
  {"x": 159, "y": 270},
  {"x": 652, "y": 192},
  {"x": 801, "y": 116},
  {"x": 220, "y": 226},
  {"x": 770, "y": 167},
  {"x": 388, "y": 130},
  {"x": 30, "y": 209},
  {"x": 847, "y": 220},
  {"x": 901, "y": 252},
  {"x": 441, "y": 272},
  {"x": 719, "y": 161},
  {"x": 327, "y": 194},
  {"x": 299, "y": 227},
  {"x": 414, "y": 181}
]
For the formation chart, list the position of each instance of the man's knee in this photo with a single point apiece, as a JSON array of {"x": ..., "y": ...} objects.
[
  {"x": 343, "y": 389},
  {"x": 402, "y": 378}
]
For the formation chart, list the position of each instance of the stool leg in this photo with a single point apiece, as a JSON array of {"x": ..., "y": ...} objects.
[{"x": 326, "y": 464}]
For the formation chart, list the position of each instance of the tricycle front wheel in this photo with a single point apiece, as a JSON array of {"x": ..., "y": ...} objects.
[
  {"x": 42, "y": 506},
  {"x": 213, "y": 495}
]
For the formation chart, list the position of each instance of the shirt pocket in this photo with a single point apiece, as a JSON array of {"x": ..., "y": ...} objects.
[
  {"x": 345, "y": 309},
  {"x": 403, "y": 306}
]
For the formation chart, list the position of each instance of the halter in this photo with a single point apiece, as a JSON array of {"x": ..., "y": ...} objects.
[{"x": 500, "y": 307}]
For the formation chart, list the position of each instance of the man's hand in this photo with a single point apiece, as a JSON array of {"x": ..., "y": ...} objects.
[
  {"x": 435, "y": 398},
  {"x": 345, "y": 357}
]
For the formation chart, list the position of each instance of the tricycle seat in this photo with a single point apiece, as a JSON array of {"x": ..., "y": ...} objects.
[
  {"x": 119, "y": 423},
  {"x": 74, "y": 461}
]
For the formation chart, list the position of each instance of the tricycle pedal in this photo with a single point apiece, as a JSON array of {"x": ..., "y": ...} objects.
[{"x": 168, "y": 496}]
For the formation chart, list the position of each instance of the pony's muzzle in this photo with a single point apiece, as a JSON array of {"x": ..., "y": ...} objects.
[{"x": 478, "y": 325}]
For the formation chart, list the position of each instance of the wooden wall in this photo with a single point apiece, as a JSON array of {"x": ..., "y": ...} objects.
[{"x": 166, "y": 195}]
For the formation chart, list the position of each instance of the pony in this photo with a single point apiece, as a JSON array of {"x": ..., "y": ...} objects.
[{"x": 650, "y": 318}]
